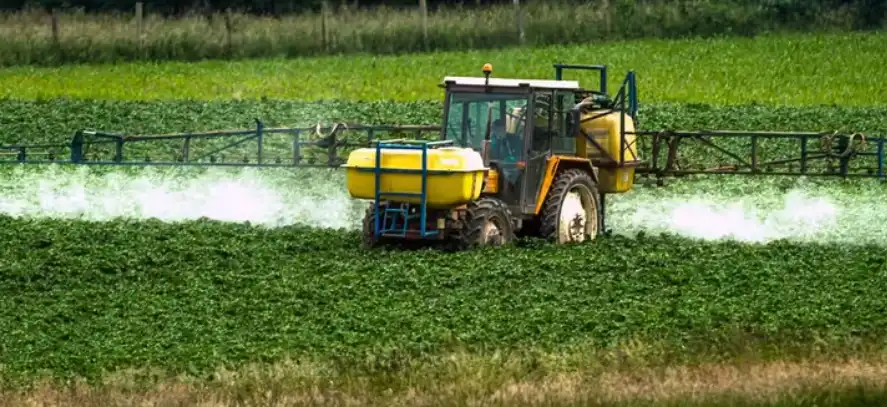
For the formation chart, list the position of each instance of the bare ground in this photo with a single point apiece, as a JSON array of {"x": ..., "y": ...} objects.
[{"x": 292, "y": 384}]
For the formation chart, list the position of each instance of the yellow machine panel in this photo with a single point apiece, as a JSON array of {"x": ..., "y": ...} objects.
[
  {"x": 492, "y": 185},
  {"x": 615, "y": 180},
  {"x": 616, "y": 172},
  {"x": 455, "y": 175}
]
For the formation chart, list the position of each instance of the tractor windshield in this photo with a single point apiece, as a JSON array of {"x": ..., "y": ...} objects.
[{"x": 469, "y": 114}]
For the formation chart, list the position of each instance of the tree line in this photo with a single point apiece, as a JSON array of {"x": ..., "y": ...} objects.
[
  {"x": 872, "y": 12},
  {"x": 179, "y": 7}
]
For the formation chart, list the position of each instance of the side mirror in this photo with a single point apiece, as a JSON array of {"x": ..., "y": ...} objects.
[{"x": 574, "y": 122}]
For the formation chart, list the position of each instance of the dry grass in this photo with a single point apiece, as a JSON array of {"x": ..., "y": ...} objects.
[
  {"x": 291, "y": 384},
  {"x": 111, "y": 37}
]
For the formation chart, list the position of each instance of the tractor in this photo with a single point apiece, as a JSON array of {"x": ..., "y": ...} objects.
[{"x": 515, "y": 157}]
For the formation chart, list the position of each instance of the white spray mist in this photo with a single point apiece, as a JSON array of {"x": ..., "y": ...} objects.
[{"x": 741, "y": 209}]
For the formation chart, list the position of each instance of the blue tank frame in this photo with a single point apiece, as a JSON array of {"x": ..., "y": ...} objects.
[{"x": 396, "y": 217}]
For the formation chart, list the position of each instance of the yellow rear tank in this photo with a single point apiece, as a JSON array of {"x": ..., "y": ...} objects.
[
  {"x": 615, "y": 172},
  {"x": 455, "y": 175}
]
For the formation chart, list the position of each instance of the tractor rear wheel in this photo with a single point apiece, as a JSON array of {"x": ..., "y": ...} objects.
[
  {"x": 571, "y": 212},
  {"x": 369, "y": 221},
  {"x": 487, "y": 222}
]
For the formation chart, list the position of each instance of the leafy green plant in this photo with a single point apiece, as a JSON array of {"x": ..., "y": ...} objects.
[{"x": 81, "y": 297}]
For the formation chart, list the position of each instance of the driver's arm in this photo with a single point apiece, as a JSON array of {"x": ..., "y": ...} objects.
[
  {"x": 502, "y": 148},
  {"x": 514, "y": 144}
]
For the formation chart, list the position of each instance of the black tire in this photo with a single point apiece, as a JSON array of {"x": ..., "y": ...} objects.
[
  {"x": 368, "y": 226},
  {"x": 572, "y": 180},
  {"x": 476, "y": 228}
]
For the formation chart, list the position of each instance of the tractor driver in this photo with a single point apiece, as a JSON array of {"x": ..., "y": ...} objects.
[
  {"x": 506, "y": 146},
  {"x": 506, "y": 149}
]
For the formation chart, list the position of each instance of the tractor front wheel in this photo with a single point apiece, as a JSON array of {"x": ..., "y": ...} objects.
[
  {"x": 487, "y": 222},
  {"x": 571, "y": 212}
]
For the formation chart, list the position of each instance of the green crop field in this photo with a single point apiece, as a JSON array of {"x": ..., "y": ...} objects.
[
  {"x": 268, "y": 308},
  {"x": 215, "y": 294},
  {"x": 821, "y": 69}
]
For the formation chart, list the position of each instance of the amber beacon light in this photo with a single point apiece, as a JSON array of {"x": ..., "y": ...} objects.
[{"x": 488, "y": 69}]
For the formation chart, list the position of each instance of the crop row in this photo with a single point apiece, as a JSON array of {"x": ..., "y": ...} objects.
[
  {"x": 80, "y": 296},
  {"x": 840, "y": 69},
  {"x": 29, "y": 37}
]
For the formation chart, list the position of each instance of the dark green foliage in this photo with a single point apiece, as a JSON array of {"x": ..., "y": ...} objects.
[{"x": 80, "y": 297}]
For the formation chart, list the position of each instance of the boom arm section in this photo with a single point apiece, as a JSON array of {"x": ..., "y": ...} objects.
[
  {"x": 679, "y": 153},
  {"x": 317, "y": 146},
  {"x": 666, "y": 153}
]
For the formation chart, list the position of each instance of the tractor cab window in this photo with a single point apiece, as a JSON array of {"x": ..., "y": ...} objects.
[
  {"x": 542, "y": 123},
  {"x": 562, "y": 141},
  {"x": 469, "y": 114}
]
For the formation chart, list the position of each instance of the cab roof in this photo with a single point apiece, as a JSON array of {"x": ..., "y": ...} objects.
[{"x": 511, "y": 83}]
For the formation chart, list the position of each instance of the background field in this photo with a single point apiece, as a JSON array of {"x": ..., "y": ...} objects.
[
  {"x": 307, "y": 306},
  {"x": 827, "y": 69}
]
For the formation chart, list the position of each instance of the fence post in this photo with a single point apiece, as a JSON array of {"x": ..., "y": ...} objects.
[
  {"x": 324, "y": 25},
  {"x": 423, "y": 9},
  {"x": 607, "y": 17},
  {"x": 54, "y": 25},
  {"x": 519, "y": 17},
  {"x": 229, "y": 27},
  {"x": 140, "y": 28}
]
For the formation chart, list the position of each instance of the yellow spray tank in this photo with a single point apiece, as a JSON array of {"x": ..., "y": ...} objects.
[
  {"x": 618, "y": 156},
  {"x": 455, "y": 175}
]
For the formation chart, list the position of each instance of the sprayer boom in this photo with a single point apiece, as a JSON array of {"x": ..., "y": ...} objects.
[{"x": 660, "y": 153}]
